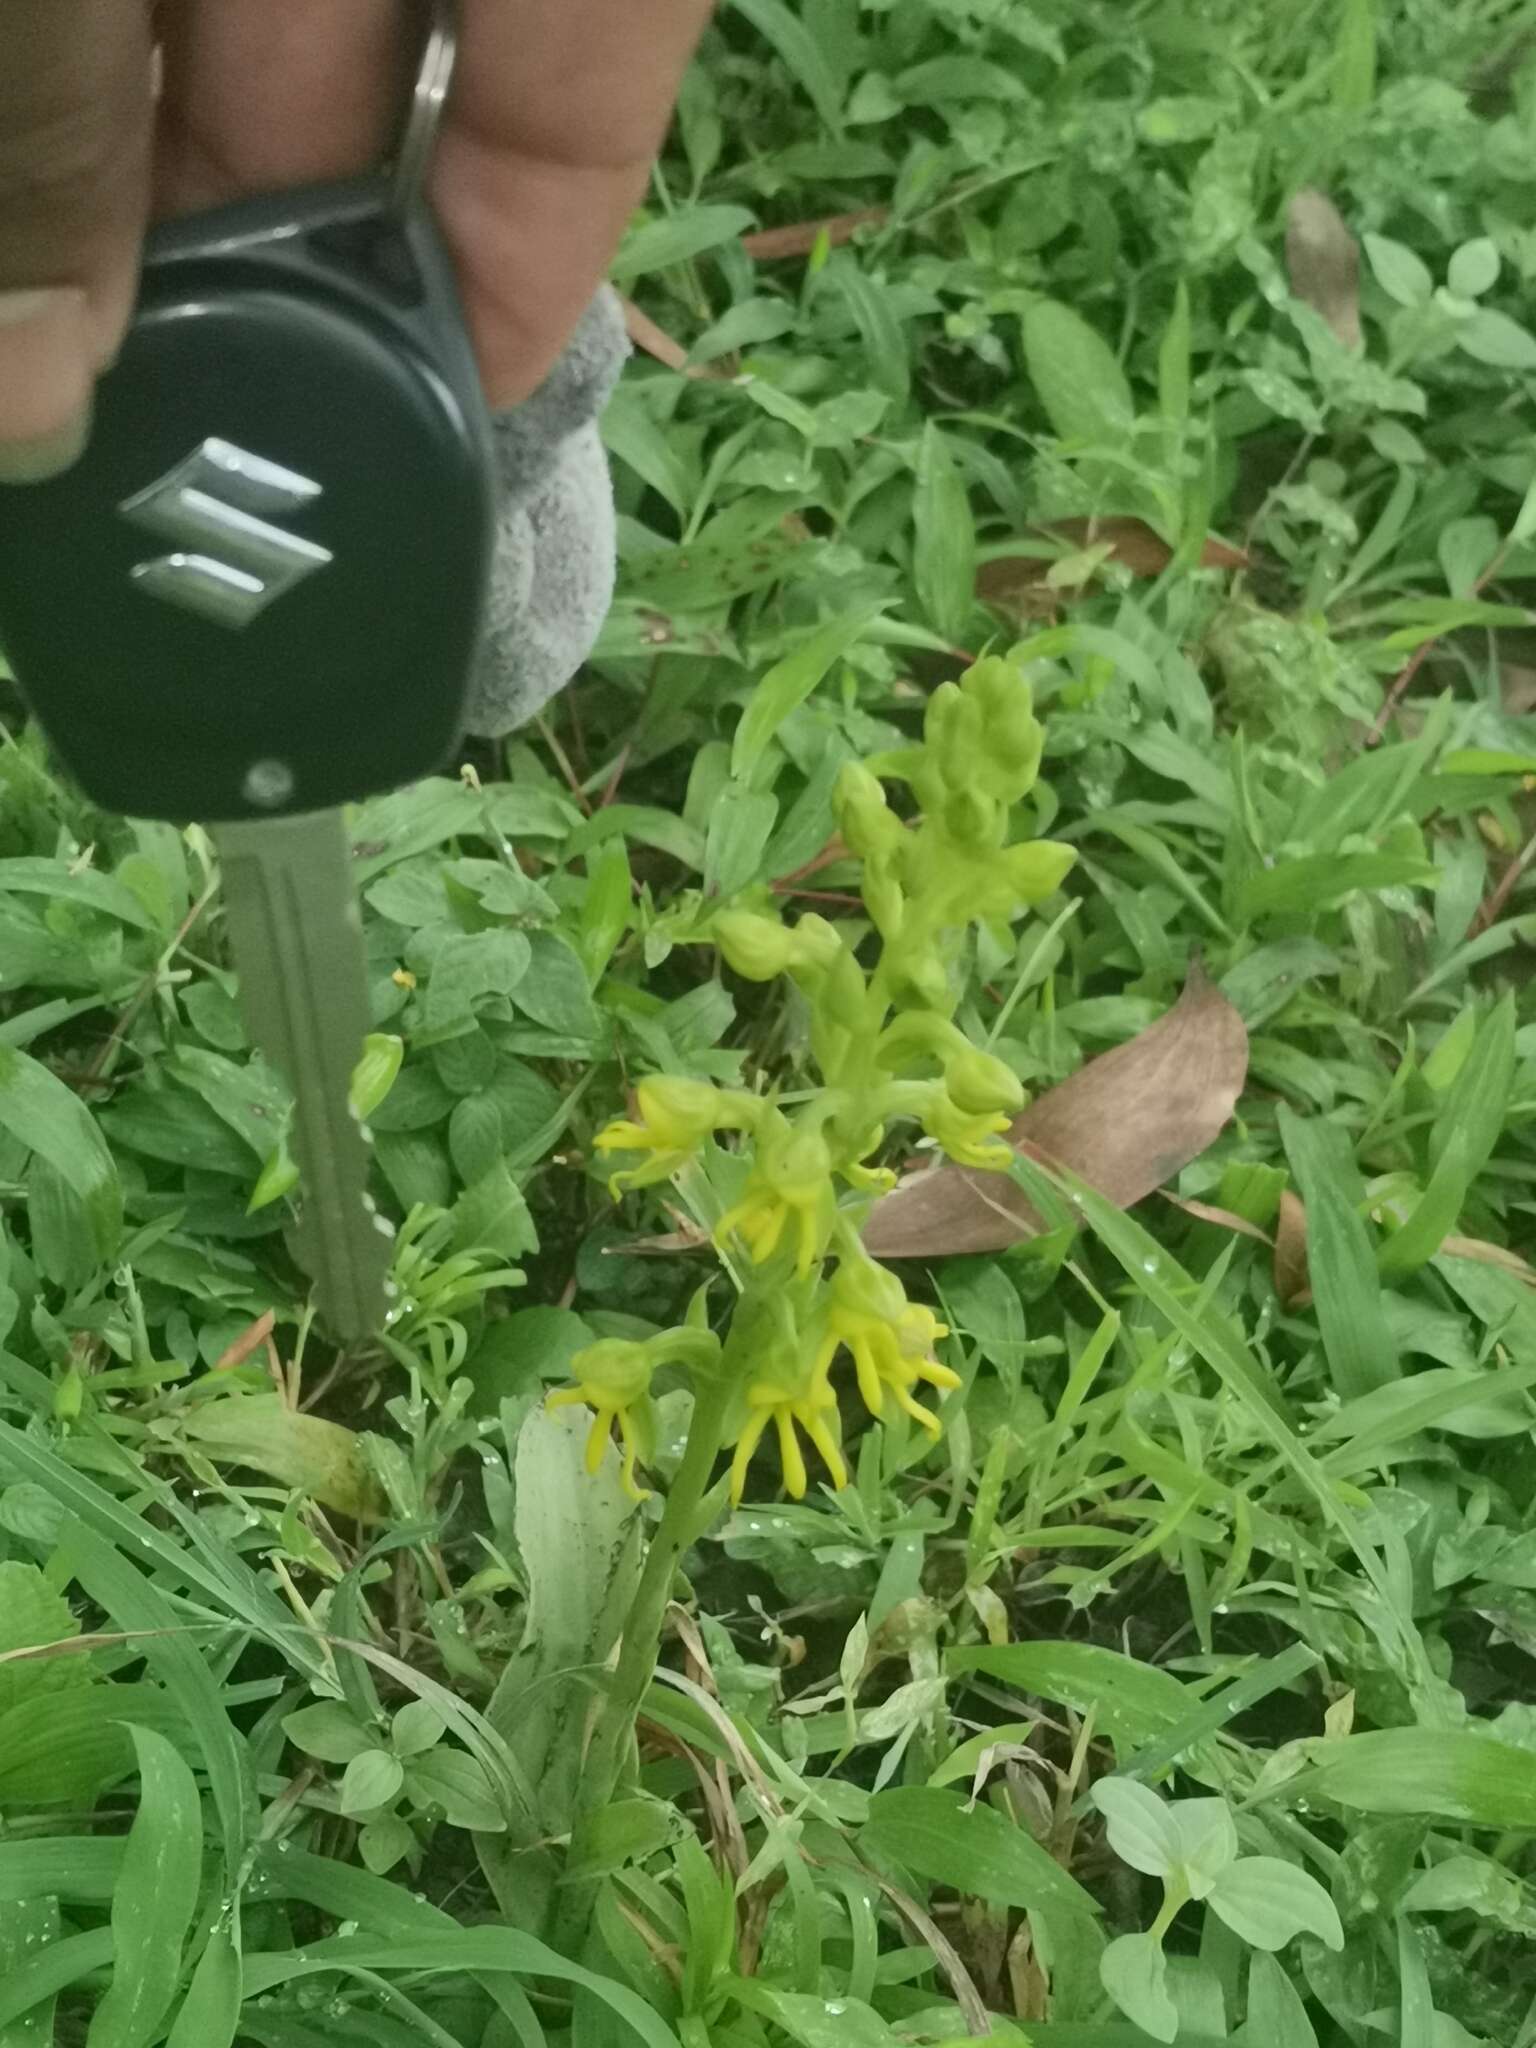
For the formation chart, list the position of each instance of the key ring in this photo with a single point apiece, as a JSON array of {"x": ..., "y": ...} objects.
[{"x": 427, "y": 103}]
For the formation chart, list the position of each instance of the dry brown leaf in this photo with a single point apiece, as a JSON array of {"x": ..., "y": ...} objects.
[
  {"x": 1125, "y": 1123},
  {"x": 1015, "y": 580},
  {"x": 1293, "y": 1282},
  {"x": 655, "y": 341},
  {"x": 1517, "y": 688},
  {"x": 1227, "y": 1219},
  {"x": 1323, "y": 260},
  {"x": 769, "y": 245},
  {"x": 1488, "y": 1254}
]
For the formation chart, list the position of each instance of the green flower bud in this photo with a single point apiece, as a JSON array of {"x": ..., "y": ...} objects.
[
  {"x": 1037, "y": 868},
  {"x": 885, "y": 899},
  {"x": 865, "y": 819},
  {"x": 980, "y": 1084},
  {"x": 816, "y": 945},
  {"x": 756, "y": 947},
  {"x": 973, "y": 818}
]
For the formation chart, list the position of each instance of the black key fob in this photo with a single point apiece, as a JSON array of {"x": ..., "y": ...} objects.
[{"x": 261, "y": 590}]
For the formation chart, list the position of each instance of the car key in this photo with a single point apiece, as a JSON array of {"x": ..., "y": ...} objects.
[{"x": 259, "y": 595}]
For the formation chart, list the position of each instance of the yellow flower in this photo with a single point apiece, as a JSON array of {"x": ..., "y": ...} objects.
[
  {"x": 791, "y": 1182},
  {"x": 791, "y": 1391},
  {"x": 891, "y": 1340},
  {"x": 613, "y": 1379},
  {"x": 676, "y": 1116},
  {"x": 970, "y": 1137}
]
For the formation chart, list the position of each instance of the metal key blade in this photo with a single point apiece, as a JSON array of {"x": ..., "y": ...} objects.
[{"x": 298, "y": 944}]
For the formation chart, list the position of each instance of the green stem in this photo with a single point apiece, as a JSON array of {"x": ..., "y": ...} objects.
[{"x": 608, "y": 1751}]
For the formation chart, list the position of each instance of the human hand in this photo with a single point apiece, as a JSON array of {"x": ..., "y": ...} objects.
[{"x": 558, "y": 109}]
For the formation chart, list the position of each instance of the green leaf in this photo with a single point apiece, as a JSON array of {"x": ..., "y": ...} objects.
[
  {"x": 1267, "y": 1903},
  {"x": 661, "y": 244},
  {"x": 741, "y": 822},
  {"x": 384, "y": 1842},
  {"x": 1346, "y": 1290},
  {"x": 944, "y": 538},
  {"x": 329, "y": 1731},
  {"x": 787, "y": 685},
  {"x": 1401, "y": 275},
  {"x": 886, "y": 358},
  {"x": 210, "y": 2012},
  {"x": 801, "y": 54},
  {"x": 555, "y": 991},
  {"x": 1455, "y": 1773},
  {"x": 417, "y": 1728},
  {"x": 153, "y": 1905},
  {"x": 1277, "y": 2017},
  {"x": 1077, "y": 378},
  {"x": 1132, "y": 1702},
  {"x": 1492, "y": 337},
  {"x": 1173, "y": 360},
  {"x": 372, "y": 1780},
  {"x": 32, "y": 1614},
  {"x": 1462, "y": 1142},
  {"x": 459, "y": 1785},
  {"x": 28, "y": 1928},
  {"x": 1138, "y": 1824},
  {"x": 1135, "y": 1975},
  {"x": 323, "y": 1459},
  {"x": 624, "y": 1832},
  {"x": 935, "y": 1835},
  {"x": 1474, "y": 268},
  {"x": 471, "y": 965},
  {"x": 61, "y": 882},
  {"x": 51, "y": 1120}
]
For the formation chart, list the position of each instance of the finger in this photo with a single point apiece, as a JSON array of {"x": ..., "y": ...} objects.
[
  {"x": 263, "y": 95},
  {"x": 559, "y": 108},
  {"x": 75, "y": 119}
]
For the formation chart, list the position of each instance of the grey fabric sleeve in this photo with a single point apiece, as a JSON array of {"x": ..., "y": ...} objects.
[{"x": 554, "y": 570}]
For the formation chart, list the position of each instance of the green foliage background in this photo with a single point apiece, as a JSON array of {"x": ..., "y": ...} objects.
[{"x": 1184, "y": 1689}]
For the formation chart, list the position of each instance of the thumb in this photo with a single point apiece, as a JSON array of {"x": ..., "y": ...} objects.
[{"x": 76, "y": 112}]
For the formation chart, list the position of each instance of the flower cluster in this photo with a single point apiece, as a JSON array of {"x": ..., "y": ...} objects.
[{"x": 888, "y": 1051}]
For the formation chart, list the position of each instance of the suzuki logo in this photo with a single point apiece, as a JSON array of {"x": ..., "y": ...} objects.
[{"x": 230, "y": 562}]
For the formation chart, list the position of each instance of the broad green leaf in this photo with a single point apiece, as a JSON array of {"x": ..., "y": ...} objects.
[
  {"x": 457, "y": 1783},
  {"x": 678, "y": 238},
  {"x": 1457, "y": 1773},
  {"x": 62, "y": 882},
  {"x": 944, "y": 537},
  {"x": 973, "y": 1849},
  {"x": 1077, "y": 378},
  {"x": 885, "y": 345},
  {"x": 27, "y": 1928},
  {"x": 1342, "y": 1266},
  {"x": 1401, "y": 275},
  {"x": 1135, "y": 1975},
  {"x": 740, "y": 823},
  {"x": 80, "y": 1869},
  {"x": 1139, "y": 1825},
  {"x": 1277, "y": 2017},
  {"x": 1132, "y": 1702},
  {"x": 1492, "y": 337},
  {"x": 416, "y": 1728},
  {"x": 210, "y": 2012},
  {"x": 801, "y": 54},
  {"x": 626, "y": 1831},
  {"x": 153, "y": 1906},
  {"x": 372, "y": 1779},
  {"x": 329, "y": 1731},
  {"x": 787, "y": 685},
  {"x": 51, "y": 1120},
  {"x": 1267, "y": 1903},
  {"x": 32, "y": 1615},
  {"x": 1206, "y": 1835}
]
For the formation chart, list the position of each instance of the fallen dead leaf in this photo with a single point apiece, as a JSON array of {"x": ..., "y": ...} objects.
[
  {"x": 771, "y": 245},
  {"x": 1292, "y": 1279},
  {"x": 1125, "y": 1123},
  {"x": 1322, "y": 258},
  {"x": 655, "y": 341},
  {"x": 1018, "y": 580},
  {"x": 1488, "y": 1254},
  {"x": 1517, "y": 688},
  {"x": 1226, "y": 1219}
]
